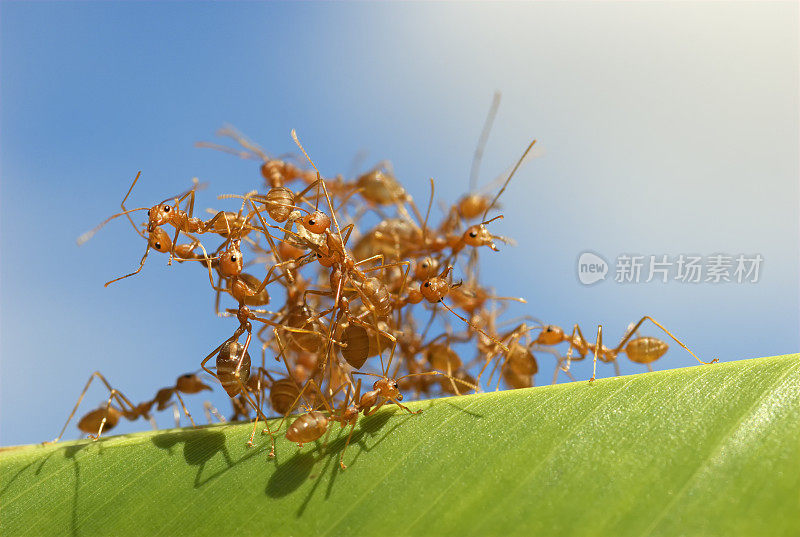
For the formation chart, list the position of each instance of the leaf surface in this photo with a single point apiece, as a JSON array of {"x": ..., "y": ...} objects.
[{"x": 709, "y": 450}]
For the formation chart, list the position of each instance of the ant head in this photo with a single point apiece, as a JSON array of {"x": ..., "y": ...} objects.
[
  {"x": 316, "y": 222},
  {"x": 230, "y": 261},
  {"x": 190, "y": 383},
  {"x": 479, "y": 236},
  {"x": 472, "y": 206},
  {"x": 388, "y": 388},
  {"x": 436, "y": 288},
  {"x": 426, "y": 268},
  {"x": 160, "y": 214},
  {"x": 550, "y": 335},
  {"x": 159, "y": 240},
  {"x": 325, "y": 256}
]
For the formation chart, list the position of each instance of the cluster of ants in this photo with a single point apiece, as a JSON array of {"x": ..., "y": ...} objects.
[{"x": 350, "y": 295}]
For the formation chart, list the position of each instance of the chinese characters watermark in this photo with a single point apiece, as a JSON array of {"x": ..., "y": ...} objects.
[{"x": 663, "y": 268}]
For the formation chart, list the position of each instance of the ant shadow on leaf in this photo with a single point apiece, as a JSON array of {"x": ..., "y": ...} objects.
[
  {"x": 323, "y": 458},
  {"x": 463, "y": 409},
  {"x": 199, "y": 447}
]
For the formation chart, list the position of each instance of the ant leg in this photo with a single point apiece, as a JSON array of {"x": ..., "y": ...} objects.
[
  {"x": 219, "y": 290},
  {"x": 575, "y": 329},
  {"x": 405, "y": 407},
  {"x": 274, "y": 251},
  {"x": 105, "y": 416},
  {"x": 294, "y": 330},
  {"x": 262, "y": 372},
  {"x": 649, "y": 368},
  {"x": 189, "y": 214},
  {"x": 300, "y": 195},
  {"x": 124, "y": 210},
  {"x": 366, "y": 301},
  {"x": 679, "y": 342},
  {"x": 279, "y": 261},
  {"x": 96, "y": 374},
  {"x": 253, "y": 432},
  {"x": 185, "y": 410},
  {"x": 256, "y": 406},
  {"x": 334, "y": 317},
  {"x": 473, "y": 326},
  {"x": 213, "y": 353},
  {"x": 321, "y": 182},
  {"x": 176, "y": 414},
  {"x": 597, "y": 346},
  {"x": 141, "y": 264},
  {"x": 346, "y": 444},
  {"x": 209, "y": 410},
  {"x": 210, "y": 224},
  {"x": 299, "y": 395}
]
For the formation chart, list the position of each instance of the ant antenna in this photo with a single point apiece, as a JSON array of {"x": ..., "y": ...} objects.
[
  {"x": 516, "y": 167},
  {"x": 320, "y": 182},
  {"x": 89, "y": 234},
  {"x": 487, "y": 128},
  {"x": 499, "y": 216},
  {"x": 427, "y": 214}
]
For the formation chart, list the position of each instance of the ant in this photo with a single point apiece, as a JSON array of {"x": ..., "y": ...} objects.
[
  {"x": 275, "y": 172},
  {"x": 106, "y": 416},
  {"x": 189, "y": 383},
  {"x": 642, "y": 350},
  {"x": 434, "y": 290}
]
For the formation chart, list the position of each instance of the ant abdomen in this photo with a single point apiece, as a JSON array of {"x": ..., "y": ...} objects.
[
  {"x": 90, "y": 423},
  {"x": 521, "y": 360},
  {"x": 282, "y": 394},
  {"x": 644, "y": 350},
  {"x": 378, "y": 296},
  {"x": 515, "y": 380},
  {"x": 357, "y": 349},
  {"x": 307, "y": 428},
  {"x": 230, "y": 376},
  {"x": 442, "y": 357},
  {"x": 279, "y": 202},
  {"x": 472, "y": 206},
  {"x": 244, "y": 287},
  {"x": 230, "y": 224},
  {"x": 380, "y": 188},
  {"x": 300, "y": 317}
]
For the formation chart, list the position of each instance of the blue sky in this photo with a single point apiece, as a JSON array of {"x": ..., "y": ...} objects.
[{"x": 665, "y": 129}]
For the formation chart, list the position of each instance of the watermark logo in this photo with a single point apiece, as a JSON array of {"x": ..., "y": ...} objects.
[
  {"x": 591, "y": 268},
  {"x": 663, "y": 268}
]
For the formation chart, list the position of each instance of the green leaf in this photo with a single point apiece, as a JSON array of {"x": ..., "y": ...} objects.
[{"x": 710, "y": 450}]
